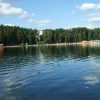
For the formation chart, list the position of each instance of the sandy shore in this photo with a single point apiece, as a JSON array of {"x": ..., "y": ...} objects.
[{"x": 11, "y": 46}]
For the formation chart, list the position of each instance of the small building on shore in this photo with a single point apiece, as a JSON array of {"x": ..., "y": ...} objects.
[
  {"x": 1, "y": 45},
  {"x": 85, "y": 41}
]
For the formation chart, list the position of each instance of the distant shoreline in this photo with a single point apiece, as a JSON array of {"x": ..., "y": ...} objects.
[
  {"x": 11, "y": 46},
  {"x": 88, "y": 42}
]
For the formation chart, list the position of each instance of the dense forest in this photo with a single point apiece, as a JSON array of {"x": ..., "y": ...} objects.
[
  {"x": 10, "y": 35},
  {"x": 15, "y": 35},
  {"x": 70, "y": 35}
]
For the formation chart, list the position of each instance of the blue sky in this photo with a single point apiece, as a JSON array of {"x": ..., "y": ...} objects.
[{"x": 43, "y": 14}]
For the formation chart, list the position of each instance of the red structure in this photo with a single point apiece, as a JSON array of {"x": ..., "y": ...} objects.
[{"x": 1, "y": 45}]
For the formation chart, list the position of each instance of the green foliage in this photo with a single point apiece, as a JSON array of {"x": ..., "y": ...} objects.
[
  {"x": 10, "y": 35},
  {"x": 70, "y": 35},
  {"x": 26, "y": 43},
  {"x": 40, "y": 42}
]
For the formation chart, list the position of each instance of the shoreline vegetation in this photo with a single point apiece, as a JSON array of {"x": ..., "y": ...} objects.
[
  {"x": 15, "y": 36},
  {"x": 57, "y": 44}
]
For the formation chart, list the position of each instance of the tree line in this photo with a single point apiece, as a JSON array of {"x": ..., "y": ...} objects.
[
  {"x": 15, "y": 35},
  {"x": 70, "y": 35}
]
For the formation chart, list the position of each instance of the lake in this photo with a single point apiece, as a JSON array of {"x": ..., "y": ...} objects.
[{"x": 50, "y": 73}]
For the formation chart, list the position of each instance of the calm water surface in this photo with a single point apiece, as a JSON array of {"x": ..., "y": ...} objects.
[{"x": 50, "y": 73}]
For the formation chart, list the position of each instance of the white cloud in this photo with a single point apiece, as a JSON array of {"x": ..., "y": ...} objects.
[
  {"x": 89, "y": 6},
  {"x": 7, "y": 11},
  {"x": 42, "y": 25},
  {"x": 89, "y": 26},
  {"x": 92, "y": 19},
  {"x": 31, "y": 21},
  {"x": 39, "y": 21},
  {"x": 8, "y": 25},
  {"x": 74, "y": 26},
  {"x": 94, "y": 14},
  {"x": 33, "y": 14},
  {"x": 43, "y": 21},
  {"x": 23, "y": 15},
  {"x": 9, "y": 1},
  {"x": 73, "y": 11}
]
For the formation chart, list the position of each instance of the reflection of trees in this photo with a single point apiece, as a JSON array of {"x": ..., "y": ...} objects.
[
  {"x": 1, "y": 52},
  {"x": 76, "y": 51}
]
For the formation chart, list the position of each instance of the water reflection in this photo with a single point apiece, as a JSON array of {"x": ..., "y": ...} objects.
[
  {"x": 92, "y": 80},
  {"x": 1, "y": 52},
  {"x": 12, "y": 95},
  {"x": 77, "y": 51},
  {"x": 39, "y": 72}
]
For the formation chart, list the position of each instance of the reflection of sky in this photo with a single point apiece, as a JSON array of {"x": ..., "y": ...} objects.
[
  {"x": 17, "y": 77},
  {"x": 11, "y": 95},
  {"x": 11, "y": 85},
  {"x": 92, "y": 69},
  {"x": 92, "y": 80}
]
